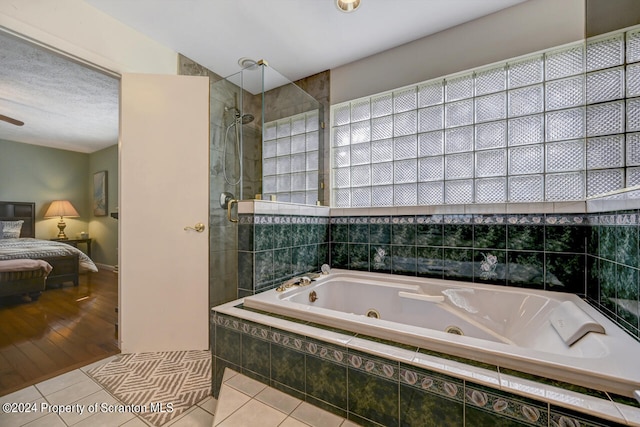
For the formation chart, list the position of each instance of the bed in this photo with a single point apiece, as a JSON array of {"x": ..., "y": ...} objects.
[
  {"x": 23, "y": 277},
  {"x": 66, "y": 260}
]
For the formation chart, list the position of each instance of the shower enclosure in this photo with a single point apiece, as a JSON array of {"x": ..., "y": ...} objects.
[{"x": 266, "y": 141}]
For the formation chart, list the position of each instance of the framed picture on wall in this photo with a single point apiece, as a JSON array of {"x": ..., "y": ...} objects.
[{"x": 100, "y": 193}]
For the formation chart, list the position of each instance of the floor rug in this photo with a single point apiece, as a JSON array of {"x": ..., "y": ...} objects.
[{"x": 162, "y": 385}]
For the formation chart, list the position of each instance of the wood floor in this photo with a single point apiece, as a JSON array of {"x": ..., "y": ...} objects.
[{"x": 68, "y": 327}]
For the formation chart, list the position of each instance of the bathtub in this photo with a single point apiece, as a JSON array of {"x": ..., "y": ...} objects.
[{"x": 507, "y": 327}]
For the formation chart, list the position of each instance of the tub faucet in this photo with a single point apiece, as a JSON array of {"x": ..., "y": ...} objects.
[{"x": 296, "y": 281}]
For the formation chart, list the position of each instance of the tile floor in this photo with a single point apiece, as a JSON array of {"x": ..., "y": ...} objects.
[
  {"x": 246, "y": 402},
  {"x": 242, "y": 402},
  {"x": 78, "y": 388}
]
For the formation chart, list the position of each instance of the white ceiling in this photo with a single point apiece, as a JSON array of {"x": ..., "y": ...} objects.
[{"x": 67, "y": 106}]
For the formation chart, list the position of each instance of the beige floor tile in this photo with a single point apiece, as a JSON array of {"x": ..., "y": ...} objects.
[
  {"x": 15, "y": 419},
  {"x": 196, "y": 417},
  {"x": 229, "y": 401},
  {"x": 50, "y": 420},
  {"x": 135, "y": 422},
  {"x": 292, "y": 422},
  {"x": 278, "y": 400},
  {"x": 316, "y": 417},
  {"x": 27, "y": 394},
  {"x": 98, "y": 397},
  {"x": 105, "y": 419},
  {"x": 347, "y": 423},
  {"x": 61, "y": 381},
  {"x": 73, "y": 393},
  {"x": 246, "y": 385},
  {"x": 209, "y": 404},
  {"x": 254, "y": 413},
  {"x": 228, "y": 374}
]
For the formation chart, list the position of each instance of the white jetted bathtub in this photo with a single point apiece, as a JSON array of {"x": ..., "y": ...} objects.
[{"x": 555, "y": 335}]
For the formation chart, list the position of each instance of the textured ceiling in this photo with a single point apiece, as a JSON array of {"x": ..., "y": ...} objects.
[{"x": 63, "y": 104}]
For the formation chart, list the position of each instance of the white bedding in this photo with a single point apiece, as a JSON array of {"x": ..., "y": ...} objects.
[{"x": 36, "y": 248}]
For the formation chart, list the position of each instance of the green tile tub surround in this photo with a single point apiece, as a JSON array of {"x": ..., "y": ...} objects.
[
  {"x": 339, "y": 255},
  {"x": 380, "y": 230},
  {"x": 430, "y": 399},
  {"x": 564, "y": 417},
  {"x": 626, "y": 245},
  {"x": 403, "y": 230},
  {"x": 525, "y": 269},
  {"x": 282, "y": 264},
  {"x": 358, "y": 230},
  {"x": 565, "y": 238},
  {"x": 429, "y": 234},
  {"x": 326, "y": 382},
  {"x": 263, "y": 268},
  {"x": 282, "y": 232},
  {"x": 626, "y": 297},
  {"x": 358, "y": 257},
  {"x": 304, "y": 259},
  {"x": 565, "y": 273},
  {"x": 380, "y": 258},
  {"x": 490, "y": 236},
  {"x": 274, "y": 248},
  {"x": 373, "y": 397},
  {"x": 430, "y": 262},
  {"x": 613, "y": 268},
  {"x": 339, "y": 230},
  {"x": 458, "y": 264},
  {"x": 245, "y": 271},
  {"x": 403, "y": 260},
  {"x": 373, "y": 390},
  {"x": 490, "y": 267},
  {"x": 525, "y": 232},
  {"x": 459, "y": 235},
  {"x": 481, "y": 404}
]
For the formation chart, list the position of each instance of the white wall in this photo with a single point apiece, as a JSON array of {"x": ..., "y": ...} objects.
[
  {"x": 527, "y": 27},
  {"x": 78, "y": 29}
]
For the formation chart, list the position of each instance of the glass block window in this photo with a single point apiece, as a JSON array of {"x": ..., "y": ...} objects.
[
  {"x": 557, "y": 125},
  {"x": 290, "y": 153}
]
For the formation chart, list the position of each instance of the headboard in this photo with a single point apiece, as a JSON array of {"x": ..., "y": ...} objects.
[{"x": 26, "y": 211}]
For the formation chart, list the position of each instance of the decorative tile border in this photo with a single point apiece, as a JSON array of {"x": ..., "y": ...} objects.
[
  {"x": 494, "y": 403},
  {"x": 447, "y": 387},
  {"x": 503, "y": 406}
]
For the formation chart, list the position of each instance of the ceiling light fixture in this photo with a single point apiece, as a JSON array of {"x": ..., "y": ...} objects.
[{"x": 347, "y": 5}]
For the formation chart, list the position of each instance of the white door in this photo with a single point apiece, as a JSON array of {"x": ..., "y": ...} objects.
[{"x": 164, "y": 183}]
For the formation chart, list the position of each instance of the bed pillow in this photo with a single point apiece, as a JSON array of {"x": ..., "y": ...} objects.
[{"x": 10, "y": 229}]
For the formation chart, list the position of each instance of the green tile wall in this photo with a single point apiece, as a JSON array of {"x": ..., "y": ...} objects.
[
  {"x": 613, "y": 267},
  {"x": 533, "y": 251},
  {"x": 274, "y": 248},
  {"x": 371, "y": 390}
]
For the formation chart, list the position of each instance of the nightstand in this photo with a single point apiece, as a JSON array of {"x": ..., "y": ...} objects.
[{"x": 74, "y": 243}]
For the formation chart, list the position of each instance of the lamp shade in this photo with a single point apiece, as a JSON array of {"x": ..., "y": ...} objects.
[{"x": 61, "y": 208}]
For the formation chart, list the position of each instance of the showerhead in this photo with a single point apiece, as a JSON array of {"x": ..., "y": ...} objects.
[
  {"x": 247, "y": 63},
  {"x": 247, "y": 118},
  {"x": 238, "y": 117}
]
